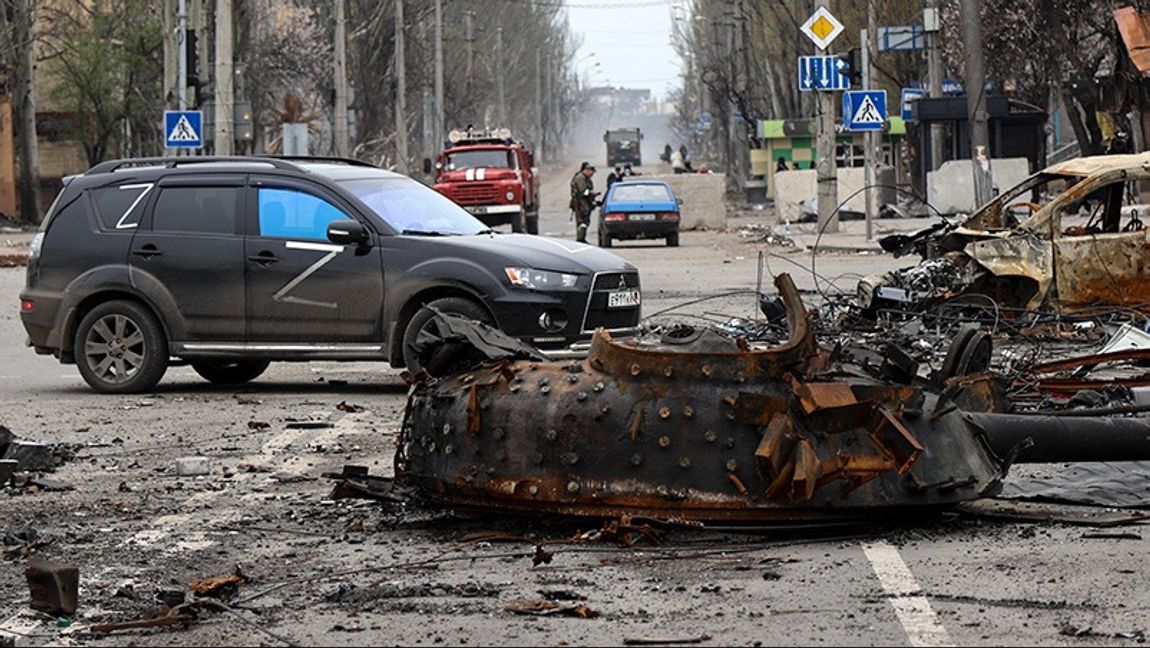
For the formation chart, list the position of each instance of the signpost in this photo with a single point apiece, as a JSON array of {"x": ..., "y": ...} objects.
[
  {"x": 909, "y": 95},
  {"x": 183, "y": 129},
  {"x": 864, "y": 110},
  {"x": 822, "y": 73},
  {"x": 906, "y": 38},
  {"x": 822, "y": 28}
]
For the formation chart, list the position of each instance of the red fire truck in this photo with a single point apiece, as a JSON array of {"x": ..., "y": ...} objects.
[{"x": 492, "y": 176}]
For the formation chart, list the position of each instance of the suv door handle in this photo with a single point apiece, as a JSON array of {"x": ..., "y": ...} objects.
[
  {"x": 148, "y": 251},
  {"x": 264, "y": 258}
]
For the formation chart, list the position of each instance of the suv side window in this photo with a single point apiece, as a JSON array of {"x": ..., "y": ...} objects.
[
  {"x": 287, "y": 213},
  {"x": 198, "y": 210},
  {"x": 120, "y": 207}
]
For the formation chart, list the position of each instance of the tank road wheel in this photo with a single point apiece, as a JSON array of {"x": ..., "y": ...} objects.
[
  {"x": 224, "y": 372},
  {"x": 121, "y": 348},
  {"x": 426, "y": 322}
]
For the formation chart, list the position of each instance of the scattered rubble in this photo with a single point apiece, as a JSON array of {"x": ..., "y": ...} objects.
[{"x": 55, "y": 588}]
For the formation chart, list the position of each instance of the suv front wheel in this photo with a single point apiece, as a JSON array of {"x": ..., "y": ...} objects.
[{"x": 120, "y": 348}]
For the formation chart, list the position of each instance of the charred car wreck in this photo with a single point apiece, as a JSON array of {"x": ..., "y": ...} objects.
[
  {"x": 708, "y": 427},
  {"x": 1061, "y": 240}
]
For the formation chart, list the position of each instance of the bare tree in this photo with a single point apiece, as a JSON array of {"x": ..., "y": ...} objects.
[{"x": 18, "y": 54}]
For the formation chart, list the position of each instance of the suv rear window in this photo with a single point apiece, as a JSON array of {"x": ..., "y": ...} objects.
[
  {"x": 120, "y": 207},
  {"x": 202, "y": 210}
]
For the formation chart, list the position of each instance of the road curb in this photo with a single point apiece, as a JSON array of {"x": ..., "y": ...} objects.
[{"x": 13, "y": 260}]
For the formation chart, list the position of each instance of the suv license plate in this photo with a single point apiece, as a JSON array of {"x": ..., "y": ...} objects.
[
  {"x": 641, "y": 217},
  {"x": 623, "y": 299}
]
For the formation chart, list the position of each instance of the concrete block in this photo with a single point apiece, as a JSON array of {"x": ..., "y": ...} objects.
[
  {"x": 193, "y": 466},
  {"x": 31, "y": 456},
  {"x": 55, "y": 588},
  {"x": 703, "y": 195},
  {"x": 950, "y": 189},
  {"x": 792, "y": 188}
]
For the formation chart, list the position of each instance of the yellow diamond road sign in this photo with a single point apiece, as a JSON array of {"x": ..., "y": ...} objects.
[{"x": 822, "y": 28}]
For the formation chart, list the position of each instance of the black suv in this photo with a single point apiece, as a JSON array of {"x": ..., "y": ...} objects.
[{"x": 231, "y": 263}]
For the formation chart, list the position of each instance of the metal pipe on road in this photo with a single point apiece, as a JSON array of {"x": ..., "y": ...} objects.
[{"x": 1056, "y": 439}]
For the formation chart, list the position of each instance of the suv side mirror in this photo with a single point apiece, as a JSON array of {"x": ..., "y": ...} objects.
[
  {"x": 427, "y": 166},
  {"x": 347, "y": 232}
]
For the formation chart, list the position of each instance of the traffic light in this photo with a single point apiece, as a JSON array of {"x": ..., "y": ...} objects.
[
  {"x": 192, "y": 57},
  {"x": 852, "y": 66}
]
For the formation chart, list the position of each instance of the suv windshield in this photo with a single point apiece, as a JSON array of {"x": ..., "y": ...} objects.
[
  {"x": 499, "y": 159},
  {"x": 640, "y": 193},
  {"x": 411, "y": 208}
]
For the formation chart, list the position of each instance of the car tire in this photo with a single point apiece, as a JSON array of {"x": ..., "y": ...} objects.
[
  {"x": 604, "y": 239},
  {"x": 424, "y": 318},
  {"x": 533, "y": 223},
  {"x": 120, "y": 348},
  {"x": 517, "y": 223},
  {"x": 673, "y": 239},
  {"x": 225, "y": 372}
]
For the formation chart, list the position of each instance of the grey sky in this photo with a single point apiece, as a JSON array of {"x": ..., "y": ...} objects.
[{"x": 630, "y": 40}]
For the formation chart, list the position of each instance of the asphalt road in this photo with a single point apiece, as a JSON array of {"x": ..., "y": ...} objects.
[{"x": 349, "y": 572}]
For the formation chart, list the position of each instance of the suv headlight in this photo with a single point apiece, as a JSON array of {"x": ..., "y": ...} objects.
[{"x": 540, "y": 279}]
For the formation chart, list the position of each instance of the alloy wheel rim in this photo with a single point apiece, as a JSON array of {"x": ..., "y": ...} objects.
[{"x": 114, "y": 348}]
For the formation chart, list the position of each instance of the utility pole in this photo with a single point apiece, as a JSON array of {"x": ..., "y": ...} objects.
[
  {"x": 872, "y": 141},
  {"x": 930, "y": 21},
  {"x": 182, "y": 55},
  {"x": 224, "y": 78},
  {"x": 439, "y": 126},
  {"x": 339, "y": 130},
  {"x": 971, "y": 19},
  {"x": 469, "y": 38},
  {"x": 400, "y": 93},
  {"x": 500, "y": 98},
  {"x": 538, "y": 107},
  {"x": 828, "y": 184},
  {"x": 738, "y": 135}
]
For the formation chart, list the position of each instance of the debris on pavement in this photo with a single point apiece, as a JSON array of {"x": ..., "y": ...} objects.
[
  {"x": 222, "y": 587},
  {"x": 54, "y": 587},
  {"x": 665, "y": 641},
  {"x": 193, "y": 466},
  {"x": 543, "y": 607},
  {"x": 356, "y": 482}
]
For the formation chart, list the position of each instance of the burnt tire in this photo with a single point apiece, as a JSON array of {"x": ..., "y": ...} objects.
[
  {"x": 120, "y": 348},
  {"x": 230, "y": 372},
  {"x": 424, "y": 321}
]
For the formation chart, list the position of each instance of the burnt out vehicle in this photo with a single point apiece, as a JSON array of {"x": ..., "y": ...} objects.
[
  {"x": 229, "y": 264},
  {"x": 1066, "y": 238}
]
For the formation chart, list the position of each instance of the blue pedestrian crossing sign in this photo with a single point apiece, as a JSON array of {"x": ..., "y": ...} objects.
[
  {"x": 864, "y": 110},
  {"x": 183, "y": 129},
  {"x": 824, "y": 73}
]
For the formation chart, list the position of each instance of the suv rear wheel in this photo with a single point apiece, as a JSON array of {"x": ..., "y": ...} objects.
[
  {"x": 230, "y": 372},
  {"x": 120, "y": 348},
  {"x": 426, "y": 321}
]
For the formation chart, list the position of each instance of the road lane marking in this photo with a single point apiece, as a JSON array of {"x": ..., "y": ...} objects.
[{"x": 913, "y": 610}]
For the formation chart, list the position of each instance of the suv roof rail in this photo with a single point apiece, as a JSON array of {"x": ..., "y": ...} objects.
[
  {"x": 321, "y": 158},
  {"x": 173, "y": 162}
]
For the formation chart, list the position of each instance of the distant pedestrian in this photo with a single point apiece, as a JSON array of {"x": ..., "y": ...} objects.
[
  {"x": 678, "y": 165},
  {"x": 615, "y": 176},
  {"x": 782, "y": 165},
  {"x": 583, "y": 200},
  {"x": 666, "y": 156},
  {"x": 628, "y": 171},
  {"x": 683, "y": 152}
]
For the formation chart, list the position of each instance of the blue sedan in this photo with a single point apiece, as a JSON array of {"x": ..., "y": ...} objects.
[{"x": 639, "y": 209}]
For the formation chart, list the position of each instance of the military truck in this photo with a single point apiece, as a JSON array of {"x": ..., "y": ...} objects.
[{"x": 623, "y": 146}]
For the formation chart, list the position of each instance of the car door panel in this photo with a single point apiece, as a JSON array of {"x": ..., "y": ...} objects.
[
  {"x": 190, "y": 246},
  {"x": 302, "y": 288}
]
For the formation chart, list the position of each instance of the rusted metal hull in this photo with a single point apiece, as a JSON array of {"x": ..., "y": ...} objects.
[{"x": 705, "y": 430}]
